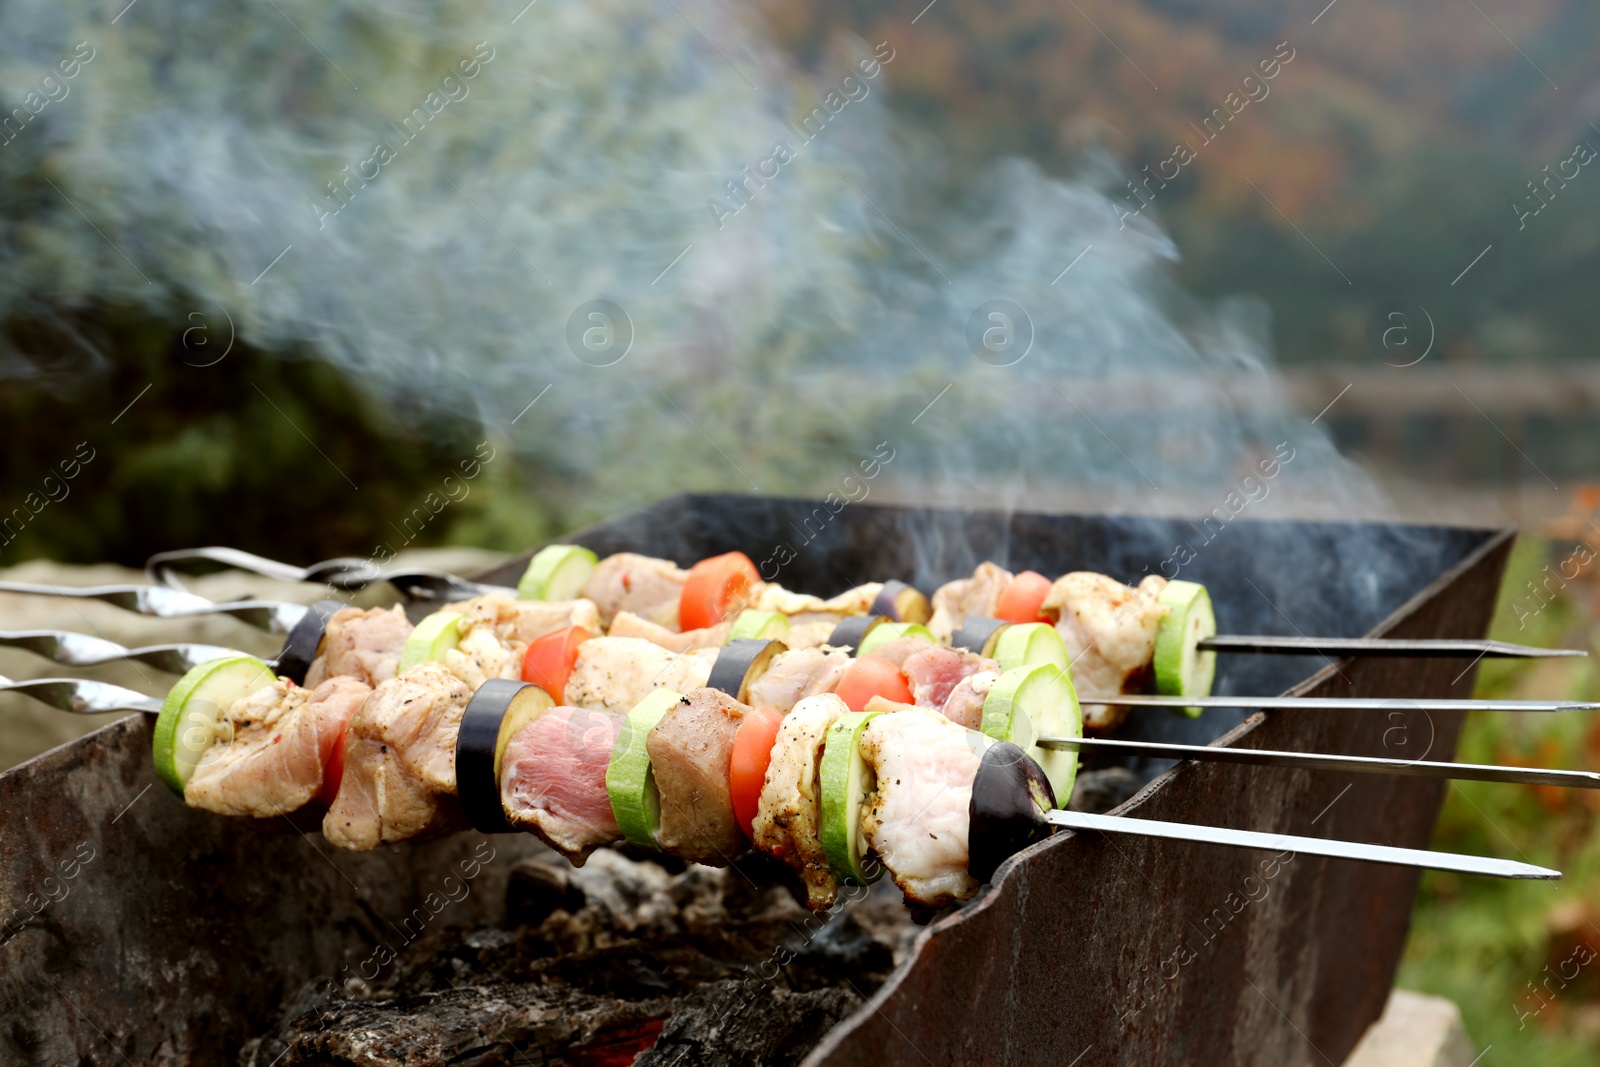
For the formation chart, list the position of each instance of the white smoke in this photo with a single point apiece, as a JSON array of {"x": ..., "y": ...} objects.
[{"x": 776, "y": 335}]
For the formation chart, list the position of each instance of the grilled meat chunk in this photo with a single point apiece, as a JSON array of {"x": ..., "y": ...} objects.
[
  {"x": 400, "y": 762},
  {"x": 525, "y": 621},
  {"x": 627, "y": 624},
  {"x": 1110, "y": 633},
  {"x": 771, "y": 596},
  {"x": 361, "y": 644},
  {"x": 481, "y": 653},
  {"x": 553, "y": 780},
  {"x": 281, "y": 739},
  {"x": 788, "y": 822},
  {"x": 615, "y": 673},
  {"x": 797, "y": 674},
  {"x": 964, "y": 705},
  {"x": 690, "y": 749},
  {"x": 935, "y": 672},
  {"x": 640, "y": 584},
  {"x": 978, "y": 595},
  {"x": 917, "y": 820}
]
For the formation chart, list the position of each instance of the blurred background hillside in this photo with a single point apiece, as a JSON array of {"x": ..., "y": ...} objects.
[{"x": 1386, "y": 155}]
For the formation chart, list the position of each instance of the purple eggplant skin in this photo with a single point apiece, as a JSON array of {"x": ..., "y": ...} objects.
[
  {"x": 741, "y": 662},
  {"x": 902, "y": 603},
  {"x": 852, "y": 631},
  {"x": 304, "y": 642},
  {"x": 978, "y": 634},
  {"x": 1010, "y": 796},
  {"x": 476, "y": 741}
]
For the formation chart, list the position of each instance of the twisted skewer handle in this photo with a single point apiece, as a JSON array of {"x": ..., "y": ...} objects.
[
  {"x": 166, "y": 603},
  {"x": 345, "y": 572},
  {"x": 81, "y": 650},
  {"x": 81, "y": 697}
]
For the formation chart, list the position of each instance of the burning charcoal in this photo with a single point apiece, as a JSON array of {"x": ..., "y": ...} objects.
[
  {"x": 1102, "y": 790},
  {"x": 535, "y": 890},
  {"x": 724, "y": 1024}
]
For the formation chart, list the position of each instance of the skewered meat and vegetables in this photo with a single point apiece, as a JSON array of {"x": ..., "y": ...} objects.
[
  {"x": 1110, "y": 632},
  {"x": 276, "y": 746},
  {"x": 365, "y": 645},
  {"x": 400, "y": 772},
  {"x": 553, "y": 780},
  {"x": 690, "y": 749},
  {"x": 788, "y": 817}
]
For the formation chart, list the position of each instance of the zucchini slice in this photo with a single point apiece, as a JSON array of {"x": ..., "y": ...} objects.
[
  {"x": 1032, "y": 702},
  {"x": 188, "y": 723},
  {"x": 1181, "y": 668},
  {"x": 492, "y": 718},
  {"x": 753, "y": 625},
  {"x": 630, "y": 781},
  {"x": 979, "y": 633},
  {"x": 845, "y": 782},
  {"x": 740, "y": 663},
  {"x": 890, "y": 631},
  {"x": 557, "y": 572},
  {"x": 432, "y": 638},
  {"x": 1030, "y": 643},
  {"x": 902, "y": 603},
  {"x": 853, "y": 630}
]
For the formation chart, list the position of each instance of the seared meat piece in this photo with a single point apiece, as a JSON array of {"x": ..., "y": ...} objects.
[
  {"x": 640, "y": 584},
  {"x": 935, "y": 672},
  {"x": 481, "y": 653},
  {"x": 771, "y": 596},
  {"x": 525, "y": 621},
  {"x": 901, "y": 649},
  {"x": 690, "y": 749},
  {"x": 1110, "y": 633},
  {"x": 627, "y": 624},
  {"x": 964, "y": 705},
  {"x": 400, "y": 762},
  {"x": 361, "y": 644},
  {"x": 916, "y": 822},
  {"x": 281, "y": 739},
  {"x": 553, "y": 780},
  {"x": 811, "y": 629},
  {"x": 788, "y": 822},
  {"x": 799, "y": 673},
  {"x": 615, "y": 673},
  {"x": 978, "y": 595}
]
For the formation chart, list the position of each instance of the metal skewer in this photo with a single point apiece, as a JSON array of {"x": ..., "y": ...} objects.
[
  {"x": 81, "y": 696},
  {"x": 165, "y": 603},
  {"x": 1474, "y": 772},
  {"x": 1379, "y": 646},
  {"x": 81, "y": 650},
  {"x": 70, "y": 649},
  {"x": 1310, "y": 846},
  {"x": 344, "y": 572},
  {"x": 1142, "y": 700}
]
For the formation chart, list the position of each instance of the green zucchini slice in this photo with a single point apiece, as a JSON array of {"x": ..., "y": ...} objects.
[
  {"x": 557, "y": 572},
  {"x": 1036, "y": 701},
  {"x": 1181, "y": 668},
  {"x": 753, "y": 625},
  {"x": 432, "y": 638},
  {"x": 1030, "y": 643},
  {"x": 846, "y": 781},
  {"x": 891, "y": 631},
  {"x": 189, "y": 721},
  {"x": 630, "y": 782}
]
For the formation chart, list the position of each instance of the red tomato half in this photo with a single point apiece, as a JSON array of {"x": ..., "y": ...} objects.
[
  {"x": 550, "y": 659},
  {"x": 872, "y": 676},
  {"x": 747, "y": 768},
  {"x": 332, "y": 771},
  {"x": 1021, "y": 601},
  {"x": 717, "y": 587}
]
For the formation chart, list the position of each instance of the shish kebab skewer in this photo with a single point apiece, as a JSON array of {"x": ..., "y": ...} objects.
[{"x": 353, "y": 574}]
